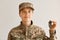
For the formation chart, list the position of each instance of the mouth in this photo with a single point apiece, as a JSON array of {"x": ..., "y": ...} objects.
[{"x": 26, "y": 17}]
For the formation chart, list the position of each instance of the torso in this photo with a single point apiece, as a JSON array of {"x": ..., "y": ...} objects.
[{"x": 31, "y": 33}]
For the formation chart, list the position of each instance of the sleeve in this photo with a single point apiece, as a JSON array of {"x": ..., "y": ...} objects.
[
  {"x": 45, "y": 37},
  {"x": 9, "y": 36},
  {"x": 52, "y": 35},
  {"x": 42, "y": 35}
]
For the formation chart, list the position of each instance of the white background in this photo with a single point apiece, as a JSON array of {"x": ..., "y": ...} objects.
[{"x": 45, "y": 10}]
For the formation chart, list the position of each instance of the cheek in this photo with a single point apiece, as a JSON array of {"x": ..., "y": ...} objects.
[
  {"x": 21, "y": 15},
  {"x": 31, "y": 15}
]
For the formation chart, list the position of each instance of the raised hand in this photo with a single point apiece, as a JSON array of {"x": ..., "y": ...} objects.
[{"x": 52, "y": 25}]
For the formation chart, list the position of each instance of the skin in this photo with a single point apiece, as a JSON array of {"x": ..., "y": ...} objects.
[
  {"x": 53, "y": 27},
  {"x": 26, "y": 15}
]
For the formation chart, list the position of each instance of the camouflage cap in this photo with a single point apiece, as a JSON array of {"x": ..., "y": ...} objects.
[{"x": 26, "y": 5}]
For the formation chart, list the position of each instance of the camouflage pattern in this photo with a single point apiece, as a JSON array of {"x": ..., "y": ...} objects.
[
  {"x": 32, "y": 32},
  {"x": 26, "y": 5}
]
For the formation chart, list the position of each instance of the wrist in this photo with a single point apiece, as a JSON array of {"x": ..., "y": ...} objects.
[{"x": 52, "y": 31}]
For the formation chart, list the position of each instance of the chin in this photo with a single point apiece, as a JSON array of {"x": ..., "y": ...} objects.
[{"x": 27, "y": 20}]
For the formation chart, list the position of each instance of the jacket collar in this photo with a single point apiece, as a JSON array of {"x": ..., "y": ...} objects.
[{"x": 23, "y": 26}]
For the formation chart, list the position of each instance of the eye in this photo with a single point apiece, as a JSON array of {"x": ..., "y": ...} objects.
[
  {"x": 24, "y": 11},
  {"x": 29, "y": 11}
]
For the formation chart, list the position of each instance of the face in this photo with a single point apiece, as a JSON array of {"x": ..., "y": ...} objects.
[{"x": 26, "y": 14}]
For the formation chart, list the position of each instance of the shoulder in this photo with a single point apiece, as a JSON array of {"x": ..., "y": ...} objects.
[
  {"x": 14, "y": 30},
  {"x": 37, "y": 30}
]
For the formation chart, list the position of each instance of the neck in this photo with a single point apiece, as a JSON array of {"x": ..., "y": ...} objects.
[{"x": 26, "y": 23}]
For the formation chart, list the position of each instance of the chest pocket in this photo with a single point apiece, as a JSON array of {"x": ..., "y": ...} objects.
[
  {"x": 17, "y": 35},
  {"x": 35, "y": 34}
]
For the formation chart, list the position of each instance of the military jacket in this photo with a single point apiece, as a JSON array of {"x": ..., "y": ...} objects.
[{"x": 32, "y": 32}]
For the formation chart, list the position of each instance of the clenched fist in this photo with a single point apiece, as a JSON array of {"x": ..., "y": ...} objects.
[{"x": 52, "y": 25}]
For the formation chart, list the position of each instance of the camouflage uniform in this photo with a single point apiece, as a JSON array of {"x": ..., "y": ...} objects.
[{"x": 32, "y": 32}]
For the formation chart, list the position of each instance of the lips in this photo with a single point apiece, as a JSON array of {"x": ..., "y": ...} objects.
[{"x": 26, "y": 17}]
